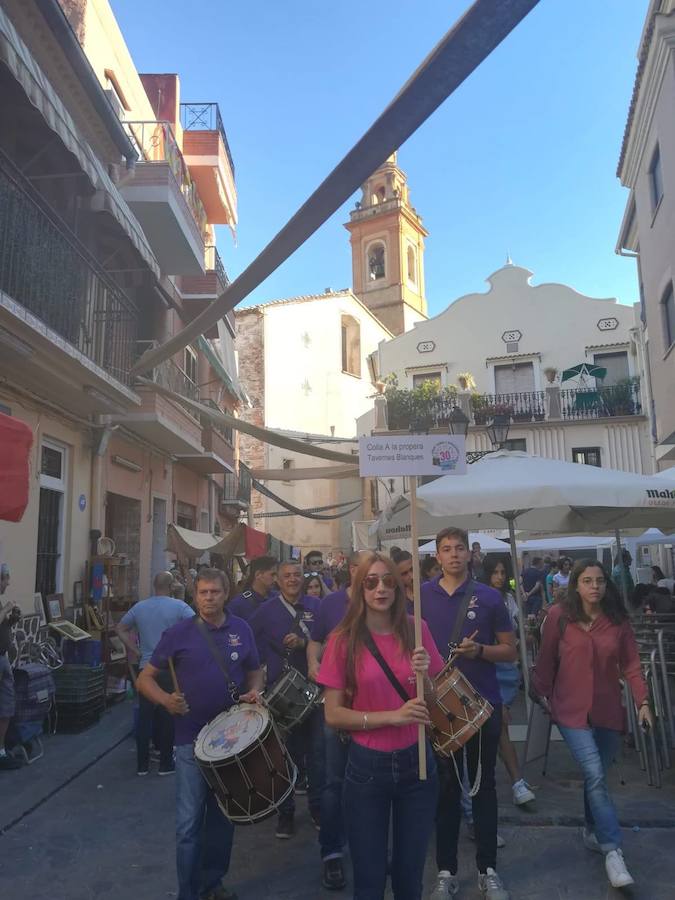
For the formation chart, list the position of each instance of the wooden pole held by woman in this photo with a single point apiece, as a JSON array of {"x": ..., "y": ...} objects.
[{"x": 417, "y": 613}]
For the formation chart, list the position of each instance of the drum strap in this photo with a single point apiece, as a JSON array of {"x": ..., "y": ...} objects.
[
  {"x": 384, "y": 665},
  {"x": 231, "y": 685},
  {"x": 461, "y": 616}
]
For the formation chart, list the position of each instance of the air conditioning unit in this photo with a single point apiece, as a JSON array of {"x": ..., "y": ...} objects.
[{"x": 113, "y": 100}]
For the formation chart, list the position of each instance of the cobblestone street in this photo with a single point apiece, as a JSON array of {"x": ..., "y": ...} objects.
[{"x": 107, "y": 833}]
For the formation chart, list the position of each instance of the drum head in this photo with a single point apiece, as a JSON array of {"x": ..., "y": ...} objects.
[{"x": 231, "y": 732}]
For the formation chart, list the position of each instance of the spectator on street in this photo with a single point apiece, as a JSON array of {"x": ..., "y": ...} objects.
[
  {"x": 533, "y": 586},
  {"x": 477, "y": 561},
  {"x": 587, "y": 646},
  {"x": 660, "y": 579},
  {"x": 548, "y": 582},
  {"x": 621, "y": 573},
  {"x": 9, "y": 615},
  {"x": 404, "y": 564},
  {"x": 562, "y": 576},
  {"x": 150, "y": 618},
  {"x": 314, "y": 563},
  {"x": 429, "y": 569},
  {"x": 314, "y": 585}
]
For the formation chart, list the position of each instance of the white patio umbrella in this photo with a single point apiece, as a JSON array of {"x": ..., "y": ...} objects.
[{"x": 548, "y": 495}]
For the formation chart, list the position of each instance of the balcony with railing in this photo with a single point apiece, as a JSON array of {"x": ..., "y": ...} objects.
[
  {"x": 207, "y": 153},
  {"x": 237, "y": 488},
  {"x": 422, "y": 409},
  {"x": 198, "y": 291},
  {"x": 65, "y": 314},
  {"x": 166, "y": 199}
]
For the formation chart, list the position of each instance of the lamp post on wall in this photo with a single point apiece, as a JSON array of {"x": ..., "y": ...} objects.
[{"x": 497, "y": 431}]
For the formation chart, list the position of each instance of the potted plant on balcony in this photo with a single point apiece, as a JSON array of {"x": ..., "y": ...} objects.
[
  {"x": 620, "y": 398},
  {"x": 522, "y": 415},
  {"x": 466, "y": 381},
  {"x": 398, "y": 404},
  {"x": 551, "y": 374}
]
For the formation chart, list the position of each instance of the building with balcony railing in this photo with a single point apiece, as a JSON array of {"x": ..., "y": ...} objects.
[{"x": 505, "y": 351}]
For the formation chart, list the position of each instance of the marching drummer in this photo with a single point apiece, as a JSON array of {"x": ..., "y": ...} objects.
[
  {"x": 281, "y": 627},
  {"x": 201, "y": 691},
  {"x": 472, "y": 615},
  {"x": 258, "y": 587}
]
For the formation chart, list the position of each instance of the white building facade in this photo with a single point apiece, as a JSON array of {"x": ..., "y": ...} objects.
[{"x": 515, "y": 340}]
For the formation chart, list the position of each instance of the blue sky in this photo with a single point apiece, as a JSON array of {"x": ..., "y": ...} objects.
[{"x": 521, "y": 159}]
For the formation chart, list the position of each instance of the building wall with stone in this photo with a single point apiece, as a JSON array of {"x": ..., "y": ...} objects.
[{"x": 250, "y": 344}]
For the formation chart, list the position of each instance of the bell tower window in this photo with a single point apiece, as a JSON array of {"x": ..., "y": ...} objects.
[
  {"x": 376, "y": 261},
  {"x": 378, "y": 195},
  {"x": 412, "y": 265}
]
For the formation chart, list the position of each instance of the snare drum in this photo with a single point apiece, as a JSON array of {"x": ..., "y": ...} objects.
[
  {"x": 292, "y": 698},
  {"x": 245, "y": 762},
  {"x": 458, "y": 713}
]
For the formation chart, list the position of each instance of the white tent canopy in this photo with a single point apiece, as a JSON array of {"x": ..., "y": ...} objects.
[{"x": 578, "y": 542}]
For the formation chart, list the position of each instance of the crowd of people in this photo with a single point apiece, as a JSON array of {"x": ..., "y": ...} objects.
[{"x": 349, "y": 628}]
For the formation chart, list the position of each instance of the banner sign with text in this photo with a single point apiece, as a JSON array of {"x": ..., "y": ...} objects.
[{"x": 412, "y": 454}]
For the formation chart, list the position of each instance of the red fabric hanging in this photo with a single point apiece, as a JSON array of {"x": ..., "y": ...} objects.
[
  {"x": 16, "y": 439},
  {"x": 255, "y": 542}
]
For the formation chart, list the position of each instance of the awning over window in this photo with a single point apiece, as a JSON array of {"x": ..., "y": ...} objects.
[
  {"x": 16, "y": 439},
  {"x": 20, "y": 61}
]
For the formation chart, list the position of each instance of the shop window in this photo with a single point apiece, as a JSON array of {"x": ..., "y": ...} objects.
[
  {"x": 587, "y": 456},
  {"x": 376, "y": 261},
  {"x": 351, "y": 346}
]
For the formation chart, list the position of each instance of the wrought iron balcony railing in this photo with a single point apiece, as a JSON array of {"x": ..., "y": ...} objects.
[
  {"x": 205, "y": 117},
  {"x": 155, "y": 143},
  {"x": 225, "y": 431},
  {"x": 168, "y": 375},
  {"x": 45, "y": 268},
  {"x": 214, "y": 263},
  {"x": 622, "y": 399},
  {"x": 523, "y": 406},
  {"x": 237, "y": 486}
]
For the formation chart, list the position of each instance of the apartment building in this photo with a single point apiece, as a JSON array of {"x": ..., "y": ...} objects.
[
  {"x": 647, "y": 168},
  {"x": 110, "y": 188}
]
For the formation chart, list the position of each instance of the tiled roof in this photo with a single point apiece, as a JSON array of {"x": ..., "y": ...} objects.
[
  {"x": 642, "y": 62},
  {"x": 301, "y": 298}
]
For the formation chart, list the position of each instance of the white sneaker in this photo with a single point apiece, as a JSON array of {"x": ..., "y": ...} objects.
[
  {"x": 491, "y": 886},
  {"x": 618, "y": 874},
  {"x": 522, "y": 793},
  {"x": 590, "y": 841},
  {"x": 446, "y": 886}
]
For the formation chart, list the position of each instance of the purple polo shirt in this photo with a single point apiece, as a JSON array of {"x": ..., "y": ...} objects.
[
  {"x": 199, "y": 676},
  {"x": 332, "y": 611},
  {"x": 246, "y": 603},
  {"x": 487, "y": 614},
  {"x": 270, "y": 623}
]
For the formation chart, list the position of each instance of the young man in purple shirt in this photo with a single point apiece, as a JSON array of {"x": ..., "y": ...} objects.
[
  {"x": 282, "y": 628},
  {"x": 203, "y": 834},
  {"x": 485, "y": 637},
  {"x": 259, "y": 587}
]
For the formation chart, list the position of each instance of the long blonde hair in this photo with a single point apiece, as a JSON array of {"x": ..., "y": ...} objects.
[{"x": 353, "y": 629}]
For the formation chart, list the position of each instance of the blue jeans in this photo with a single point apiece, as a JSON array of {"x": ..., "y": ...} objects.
[
  {"x": 332, "y": 833},
  {"x": 305, "y": 743},
  {"x": 594, "y": 749},
  {"x": 376, "y": 785},
  {"x": 203, "y": 834}
]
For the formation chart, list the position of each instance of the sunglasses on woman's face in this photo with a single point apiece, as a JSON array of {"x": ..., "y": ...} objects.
[{"x": 370, "y": 582}]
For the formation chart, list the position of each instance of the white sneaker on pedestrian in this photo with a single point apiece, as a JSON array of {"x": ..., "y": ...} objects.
[
  {"x": 618, "y": 874},
  {"x": 490, "y": 885},
  {"x": 590, "y": 841},
  {"x": 522, "y": 793},
  {"x": 446, "y": 886}
]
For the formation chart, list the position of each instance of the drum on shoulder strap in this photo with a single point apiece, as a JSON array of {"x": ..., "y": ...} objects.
[
  {"x": 292, "y": 698},
  {"x": 245, "y": 762},
  {"x": 458, "y": 712}
]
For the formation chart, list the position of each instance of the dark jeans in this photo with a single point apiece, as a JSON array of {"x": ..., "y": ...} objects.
[
  {"x": 332, "y": 833},
  {"x": 156, "y": 723},
  {"x": 305, "y": 743},
  {"x": 484, "y": 804},
  {"x": 376, "y": 786},
  {"x": 203, "y": 834}
]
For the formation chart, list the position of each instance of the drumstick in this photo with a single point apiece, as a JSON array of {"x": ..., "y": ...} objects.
[
  {"x": 173, "y": 675},
  {"x": 470, "y": 638}
]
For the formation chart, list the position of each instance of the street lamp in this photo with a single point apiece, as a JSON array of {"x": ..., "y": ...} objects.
[
  {"x": 458, "y": 422},
  {"x": 498, "y": 430}
]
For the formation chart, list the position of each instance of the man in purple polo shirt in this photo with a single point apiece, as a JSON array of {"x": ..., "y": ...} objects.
[
  {"x": 203, "y": 834},
  {"x": 332, "y": 833},
  {"x": 259, "y": 587},
  {"x": 281, "y": 627},
  {"x": 485, "y": 637}
]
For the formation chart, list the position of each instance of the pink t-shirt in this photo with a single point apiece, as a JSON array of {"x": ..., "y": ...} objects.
[{"x": 374, "y": 693}]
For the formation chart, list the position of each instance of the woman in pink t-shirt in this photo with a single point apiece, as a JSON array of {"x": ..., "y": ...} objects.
[{"x": 382, "y": 772}]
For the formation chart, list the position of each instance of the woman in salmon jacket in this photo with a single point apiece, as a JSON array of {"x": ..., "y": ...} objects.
[{"x": 587, "y": 646}]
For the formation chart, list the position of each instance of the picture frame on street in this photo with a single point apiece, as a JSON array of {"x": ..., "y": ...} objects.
[
  {"x": 70, "y": 631},
  {"x": 54, "y": 607}
]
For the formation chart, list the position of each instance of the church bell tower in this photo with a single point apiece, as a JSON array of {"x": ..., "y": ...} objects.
[{"x": 387, "y": 238}]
